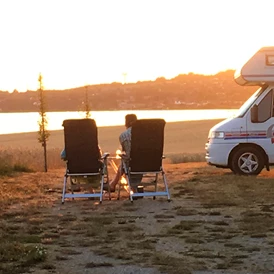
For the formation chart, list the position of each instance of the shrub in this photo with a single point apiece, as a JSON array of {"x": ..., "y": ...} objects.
[
  {"x": 28, "y": 160},
  {"x": 21, "y": 168},
  {"x": 186, "y": 158},
  {"x": 25, "y": 256},
  {"x": 5, "y": 165},
  {"x": 8, "y": 165},
  {"x": 34, "y": 254}
]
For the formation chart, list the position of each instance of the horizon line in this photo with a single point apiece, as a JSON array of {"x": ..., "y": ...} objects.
[{"x": 121, "y": 83}]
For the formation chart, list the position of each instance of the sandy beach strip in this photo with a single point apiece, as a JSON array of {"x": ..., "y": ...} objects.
[{"x": 180, "y": 137}]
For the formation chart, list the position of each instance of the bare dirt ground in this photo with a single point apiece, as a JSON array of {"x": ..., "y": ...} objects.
[{"x": 216, "y": 223}]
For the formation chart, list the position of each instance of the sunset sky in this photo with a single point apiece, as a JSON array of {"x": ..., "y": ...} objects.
[{"x": 79, "y": 42}]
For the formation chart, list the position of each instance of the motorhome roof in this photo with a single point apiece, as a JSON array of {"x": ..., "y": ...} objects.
[
  {"x": 258, "y": 70},
  {"x": 267, "y": 49}
]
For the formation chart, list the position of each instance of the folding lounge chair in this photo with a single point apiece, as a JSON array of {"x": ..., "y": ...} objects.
[
  {"x": 147, "y": 142},
  {"x": 83, "y": 158}
]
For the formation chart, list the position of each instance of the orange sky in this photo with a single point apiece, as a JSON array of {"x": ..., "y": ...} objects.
[{"x": 78, "y": 42}]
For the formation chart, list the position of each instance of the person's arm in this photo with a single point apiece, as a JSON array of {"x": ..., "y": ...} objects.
[
  {"x": 100, "y": 151},
  {"x": 126, "y": 148},
  {"x": 63, "y": 155}
]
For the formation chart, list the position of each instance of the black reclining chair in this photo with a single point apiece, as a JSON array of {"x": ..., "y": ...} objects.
[
  {"x": 147, "y": 142},
  {"x": 84, "y": 160}
]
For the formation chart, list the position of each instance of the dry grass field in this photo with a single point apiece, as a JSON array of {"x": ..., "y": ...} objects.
[
  {"x": 185, "y": 137},
  {"x": 183, "y": 140},
  {"x": 216, "y": 222}
]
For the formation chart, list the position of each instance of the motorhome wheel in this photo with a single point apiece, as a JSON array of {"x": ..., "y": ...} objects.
[{"x": 247, "y": 161}]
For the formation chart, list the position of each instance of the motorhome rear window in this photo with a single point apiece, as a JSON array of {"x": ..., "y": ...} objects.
[{"x": 270, "y": 60}]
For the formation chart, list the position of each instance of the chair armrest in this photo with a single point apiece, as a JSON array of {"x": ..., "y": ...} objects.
[
  {"x": 122, "y": 155},
  {"x": 105, "y": 155}
]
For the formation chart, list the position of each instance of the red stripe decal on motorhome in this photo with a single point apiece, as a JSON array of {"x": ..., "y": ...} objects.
[{"x": 251, "y": 134}]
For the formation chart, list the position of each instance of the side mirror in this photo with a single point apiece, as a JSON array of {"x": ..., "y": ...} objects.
[{"x": 254, "y": 114}]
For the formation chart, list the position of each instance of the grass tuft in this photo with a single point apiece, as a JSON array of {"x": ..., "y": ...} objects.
[
  {"x": 27, "y": 160},
  {"x": 9, "y": 165},
  {"x": 186, "y": 158},
  {"x": 22, "y": 168}
]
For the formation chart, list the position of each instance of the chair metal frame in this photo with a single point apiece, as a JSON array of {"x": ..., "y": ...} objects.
[
  {"x": 146, "y": 173},
  {"x": 104, "y": 178},
  {"x": 86, "y": 126}
]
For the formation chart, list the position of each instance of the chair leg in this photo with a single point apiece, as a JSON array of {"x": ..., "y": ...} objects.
[
  {"x": 156, "y": 184},
  {"x": 101, "y": 189},
  {"x": 166, "y": 186},
  {"x": 129, "y": 188},
  {"x": 105, "y": 170},
  {"x": 119, "y": 190},
  {"x": 64, "y": 188},
  {"x": 71, "y": 186},
  {"x": 109, "y": 192}
]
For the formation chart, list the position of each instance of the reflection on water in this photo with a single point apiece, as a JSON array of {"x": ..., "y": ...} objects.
[{"x": 28, "y": 121}]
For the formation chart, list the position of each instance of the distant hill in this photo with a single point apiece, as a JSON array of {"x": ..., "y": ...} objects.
[{"x": 185, "y": 91}]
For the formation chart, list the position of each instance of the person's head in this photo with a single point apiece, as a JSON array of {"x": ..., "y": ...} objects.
[{"x": 130, "y": 119}]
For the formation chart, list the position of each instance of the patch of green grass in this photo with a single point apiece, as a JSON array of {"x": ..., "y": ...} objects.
[
  {"x": 233, "y": 245},
  {"x": 215, "y": 229},
  {"x": 164, "y": 216},
  {"x": 67, "y": 219},
  {"x": 186, "y": 212},
  {"x": 194, "y": 240},
  {"x": 145, "y": 245},
  {"x": 24, "y": 255},
  {"x": 33, "y": 239},
  {"x": 34, "y": 229},
  {"x": 207, "y": 255},
  {"x": 256, "y": 224},
  {"x": 48, "y": 266},
  {"x": 70, "y": 252},
  {"x": 92, "y": 265},
  {"x": 183, "y": 226},
  {"x": 99, "y": 220},
  {"x": 216, "y": 191},
  {"x": 11, "y": 251},
  {"x": 113, "y": 252},
  {"x": 174, "y": 265}
]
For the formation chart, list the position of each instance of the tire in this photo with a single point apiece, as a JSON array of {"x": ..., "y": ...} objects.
[{"x": 247, "y": 161}]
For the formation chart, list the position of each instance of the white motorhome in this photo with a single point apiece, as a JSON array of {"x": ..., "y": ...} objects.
[{"x": 245, "y": 143}]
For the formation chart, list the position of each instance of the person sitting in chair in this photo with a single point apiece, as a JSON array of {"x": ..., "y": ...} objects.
[{"x": 125, "y": 142}]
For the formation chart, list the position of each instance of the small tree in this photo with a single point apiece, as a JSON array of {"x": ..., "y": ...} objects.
[
  {"x": 43, "y": 134},
  {"x": 86, "y": 103}
]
